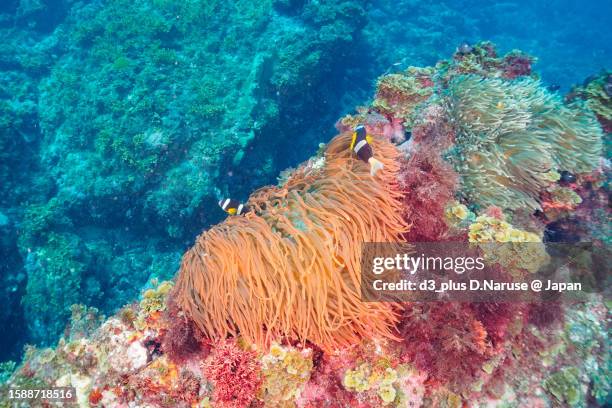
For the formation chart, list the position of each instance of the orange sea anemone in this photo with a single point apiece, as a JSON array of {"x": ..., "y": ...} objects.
[{"x": 291, "y": 267}]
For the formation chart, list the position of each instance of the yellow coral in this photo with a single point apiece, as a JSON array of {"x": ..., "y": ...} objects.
[
  {"x": 358, "y": 379},
  {"x": 286, "y": 370},
  {"x": 387, "y": 393},
  {"x": 460, "y": 211},
  {"x": 277, "y": 351},
  {"x": 457, "y": 215},
  {"x": 154, "y": 299},
  {"x": 487, "y": 229},
  {"x": 381, "y": 380},
  {"x": 400, "y": 93},
  {"x": 389, "y": 377},
  {"x": 349, "y": 380},
  {"x": 512, "y": 248}
]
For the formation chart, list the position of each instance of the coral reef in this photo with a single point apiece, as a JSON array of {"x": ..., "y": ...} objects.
[
  {"x": 121, "y": 137},
  {"x": 597, "y": 92},
  {"x": 114, "y": 365},
  {"x": 266, "y": 309}
]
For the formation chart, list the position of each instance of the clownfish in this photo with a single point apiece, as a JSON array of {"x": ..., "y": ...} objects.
[
  {"x": 233, "y": 207},
  {"x": 361, "y": 146}
]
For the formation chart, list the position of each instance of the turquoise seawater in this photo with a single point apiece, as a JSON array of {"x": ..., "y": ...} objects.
[{"x": 123, "y": 122}]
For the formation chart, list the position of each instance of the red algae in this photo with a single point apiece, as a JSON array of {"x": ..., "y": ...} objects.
[
  {"x": 182, "y": 339},
  {"x": 235, "y": 374},
  {"x": 516, "y": 65},
  {"x": 429, "y": 182},
  {"x": 450, "y": 329}
]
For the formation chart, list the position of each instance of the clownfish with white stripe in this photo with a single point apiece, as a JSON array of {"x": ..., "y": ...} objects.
[
  {"x": 362, "y": 148},
  {"x": 233, "y": 207}
]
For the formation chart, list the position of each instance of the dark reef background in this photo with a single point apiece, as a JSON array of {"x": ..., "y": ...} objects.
[{"x": 122, "y": 122}]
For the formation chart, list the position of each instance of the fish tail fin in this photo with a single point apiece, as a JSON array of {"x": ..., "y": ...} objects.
[{"x": 375, "y": 166}]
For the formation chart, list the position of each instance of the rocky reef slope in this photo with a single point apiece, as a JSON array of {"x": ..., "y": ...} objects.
[
  {"x": 475, "y": 114},
  {"x": 123, "y": 122}
]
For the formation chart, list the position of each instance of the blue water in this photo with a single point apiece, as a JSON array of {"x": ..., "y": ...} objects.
[{"x": 122, "y": 123}]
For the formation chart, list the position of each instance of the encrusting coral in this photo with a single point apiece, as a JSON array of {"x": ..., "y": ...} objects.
[
  {"x": 383, "y": 385},
  {"x": 399, "y": 94},
  {"x": 291, "y": 266},
  {"x": 597, "y": 92},
  {"x": 512, "y": 136},
  {"x": 516, "y": 250},
  {"x": 286, "y": 371}
]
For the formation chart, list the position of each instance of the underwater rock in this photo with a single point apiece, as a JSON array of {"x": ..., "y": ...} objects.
[
  {"x": 125, "y": 135},
  {"x": 597, "y": 92}
]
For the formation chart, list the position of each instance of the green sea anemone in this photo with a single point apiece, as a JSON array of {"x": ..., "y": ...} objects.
[{"x": 512, "y": 137}]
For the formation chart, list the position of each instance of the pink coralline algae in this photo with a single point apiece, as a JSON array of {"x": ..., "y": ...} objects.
[
  {"x": 235, "y": 374},
  {"x": 516, "y": 66},
  {"x": 450, "y": 329},
  {"x": 387, "y": 127},
  {"x": 429, "y": 183},
  {"x": 325, "y": 386}
]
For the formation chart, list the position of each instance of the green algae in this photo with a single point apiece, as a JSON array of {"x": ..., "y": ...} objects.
[
  {"x": 55, "y": 276},
  {"x": 566, "y": 387}
]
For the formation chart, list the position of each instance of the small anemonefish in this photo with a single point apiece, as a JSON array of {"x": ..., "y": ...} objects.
[
  {"x": 361, "y": 146},
  {"x": 233, "y": 207}
]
